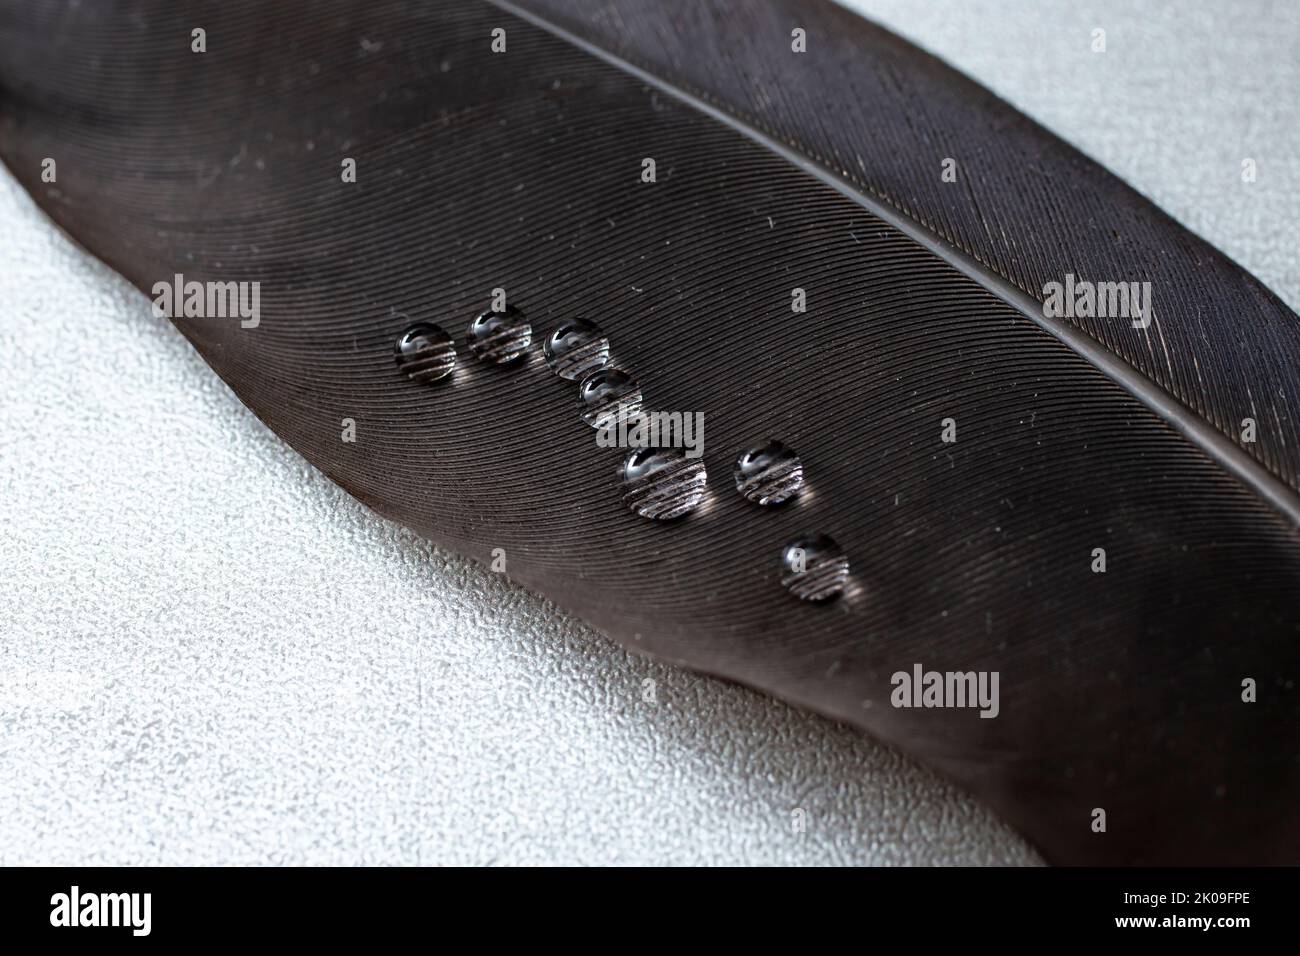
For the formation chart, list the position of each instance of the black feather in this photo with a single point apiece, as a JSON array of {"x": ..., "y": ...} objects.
[{"x": 521, "y": 170}]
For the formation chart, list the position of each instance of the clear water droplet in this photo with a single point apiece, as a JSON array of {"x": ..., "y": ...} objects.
[
  {"x": 576, "y": 349},
  {"x": 608, "y": 397},
  {"x": 815, "y": 568},
  {"x": 769, "y": 474},
  {"x": 425, "y": 353},
  {"x": 662, "y": 483},
  {"x": 500, "y": 337}
]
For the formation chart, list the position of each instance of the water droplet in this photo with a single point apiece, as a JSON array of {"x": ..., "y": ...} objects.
[
  {"x": 500, "y": 337},
  {"x": 769, "y": 474},
  {"x": 425, "y": 353},
  {"x": 815, "y": 568},
  {"x": 662, "y": 483},
  {"x": 608, "y": 397},
  {"x": 576, "y": 348}
]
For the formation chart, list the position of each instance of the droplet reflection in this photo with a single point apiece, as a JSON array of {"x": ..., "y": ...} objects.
[
  {"x": 576, "y": 349},
  {"x": 769, "y": 474},
  {"x": 425, "y": 353},
  {"x": 814, "y": 568},
  {"x": 500, "y": 337},
  {"x": 609, "y": 396},
  {"x": 662, "y": 483}
]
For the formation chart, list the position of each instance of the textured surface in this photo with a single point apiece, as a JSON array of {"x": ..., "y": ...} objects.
[{"x": 44, "y": 608}]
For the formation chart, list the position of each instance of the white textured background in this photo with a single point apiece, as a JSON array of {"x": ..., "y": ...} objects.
[{"x": 210, "y": 654}]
